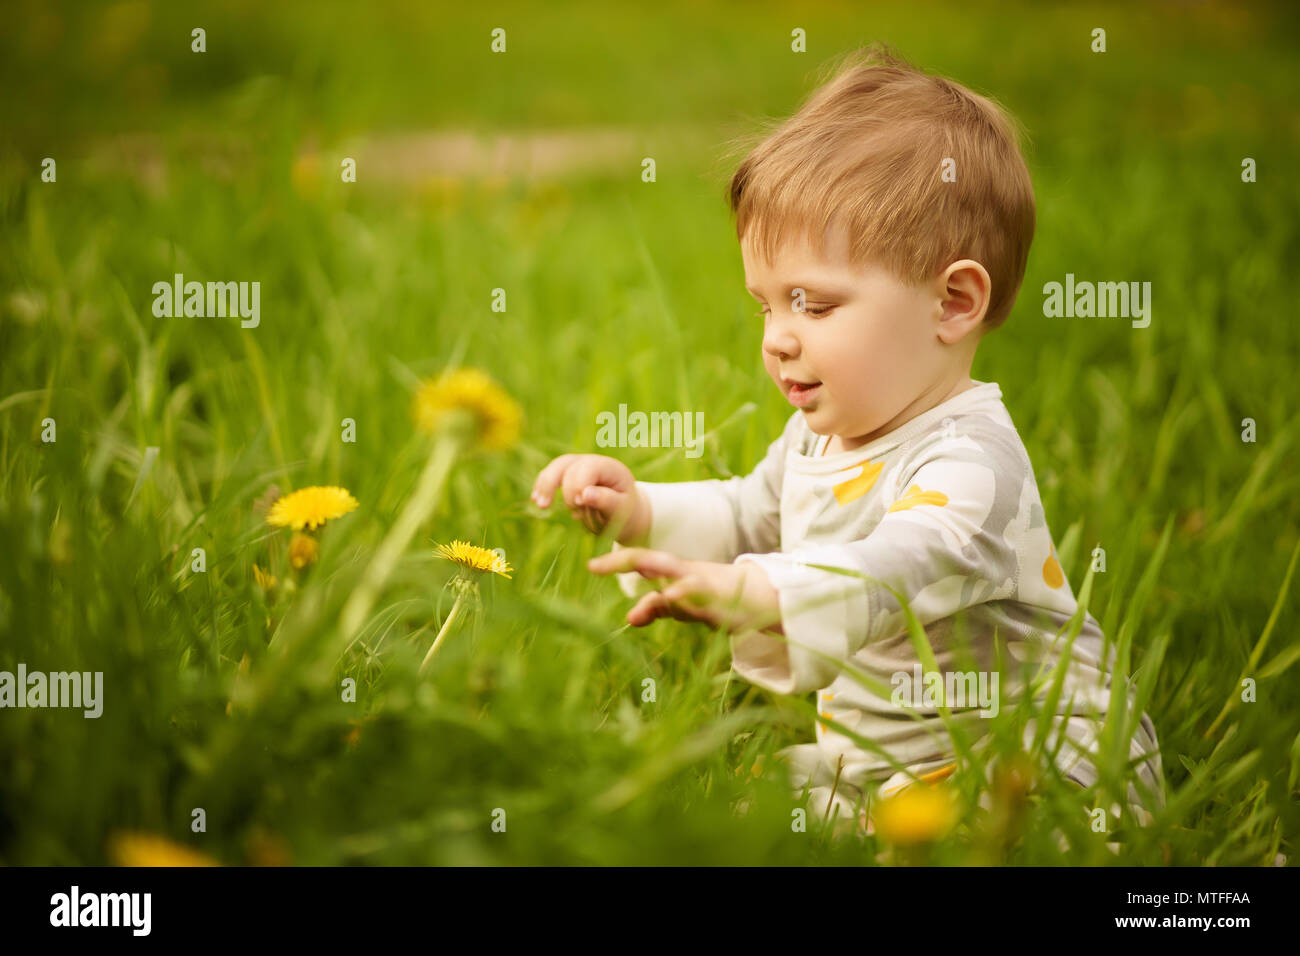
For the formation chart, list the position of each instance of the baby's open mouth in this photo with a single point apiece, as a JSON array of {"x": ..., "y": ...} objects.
[
  {"x": 793, "y": 385},
  {"x": 801, "y": 393}
]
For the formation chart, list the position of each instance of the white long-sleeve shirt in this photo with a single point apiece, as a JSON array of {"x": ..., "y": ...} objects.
[{"x": 944, "y": 510}]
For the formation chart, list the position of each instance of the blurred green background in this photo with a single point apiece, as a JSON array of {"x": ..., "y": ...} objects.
[{"x": 224, "y": 165}]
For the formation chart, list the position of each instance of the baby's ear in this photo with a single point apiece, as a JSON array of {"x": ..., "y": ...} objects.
[{"x": 966, "y": 292}]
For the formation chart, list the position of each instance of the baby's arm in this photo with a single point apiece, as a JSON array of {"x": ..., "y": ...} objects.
[
  {"x": 716, "y": 519},
  {"x": 949, "y": 541},
  {"x": 705, "y": 521}
]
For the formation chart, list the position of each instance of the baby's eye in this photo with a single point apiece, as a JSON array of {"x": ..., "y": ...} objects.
[{"x": 817, "y": 312}]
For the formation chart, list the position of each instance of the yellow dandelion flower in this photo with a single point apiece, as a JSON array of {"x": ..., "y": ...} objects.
[
  {"x": 147, "y": 849},
  {"x": 265, "y": 579},
  {"x": 919, "y": 813},
  {"x": 474, "y": 558},
  {"x": 311, "y": 507},
  {"x": 303, "y": 550},
  {"x": 496, "y": 415}
]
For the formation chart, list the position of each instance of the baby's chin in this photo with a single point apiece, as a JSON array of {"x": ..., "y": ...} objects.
[
  {"x": 820, "y": 423},
  {"x": 815, "y": 423}
]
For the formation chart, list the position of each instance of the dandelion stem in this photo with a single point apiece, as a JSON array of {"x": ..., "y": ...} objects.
[
  {"x": 421, "y": 504},
  {"x": 446, "y": 628}
]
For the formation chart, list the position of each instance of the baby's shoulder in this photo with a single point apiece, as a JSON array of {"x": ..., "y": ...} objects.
[{"x": 984, "y": 434}]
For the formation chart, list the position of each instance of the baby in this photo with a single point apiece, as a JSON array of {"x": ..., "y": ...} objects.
[{"x": 884, "y": 229}]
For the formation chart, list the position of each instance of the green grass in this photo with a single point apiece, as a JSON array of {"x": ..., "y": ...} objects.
[{"x": 618, "y": 291}]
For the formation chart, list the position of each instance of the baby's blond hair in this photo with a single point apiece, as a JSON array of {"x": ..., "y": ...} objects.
[{"x": 868, "y": 150}]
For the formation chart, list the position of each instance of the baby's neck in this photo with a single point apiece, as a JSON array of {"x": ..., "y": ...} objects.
[{"x": 836, "y": 445}]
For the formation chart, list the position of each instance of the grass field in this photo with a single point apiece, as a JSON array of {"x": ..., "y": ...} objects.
[{"x": 224, "y": 166}]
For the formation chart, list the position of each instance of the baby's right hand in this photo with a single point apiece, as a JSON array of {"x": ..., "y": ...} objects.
[{"x": 599, "y": 491}]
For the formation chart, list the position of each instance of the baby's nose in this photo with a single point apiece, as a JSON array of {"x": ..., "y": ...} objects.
[{"x": 779, "y": 343}]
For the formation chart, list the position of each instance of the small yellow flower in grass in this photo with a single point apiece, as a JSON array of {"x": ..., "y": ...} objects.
[
  {"x": 474, "y": 558},
  {"x": 147, "y": 849},
  {"x": 473, "y": 561},
  {"x": 495, "y": 414},
  {"x": 303, "y": 549},
  {"x": 311, "y": 507},
  {"x": 920, "y": 813}
]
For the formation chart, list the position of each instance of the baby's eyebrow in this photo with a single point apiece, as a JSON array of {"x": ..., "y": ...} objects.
[{"x": 810, "y": 288}]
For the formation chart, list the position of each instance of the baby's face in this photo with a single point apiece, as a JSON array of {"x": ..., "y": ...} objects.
[{"x": 865, "y": 347}]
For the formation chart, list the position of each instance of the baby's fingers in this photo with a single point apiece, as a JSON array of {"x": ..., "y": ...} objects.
[
  {"x": 673, "y": 601},
  {"x": 647, "y": 563},
  {"x": 650, "y": 608},
  {"x": 549, "y": 479},
  {"x": 611, "y": 505}
]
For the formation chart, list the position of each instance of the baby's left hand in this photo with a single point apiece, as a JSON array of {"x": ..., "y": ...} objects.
[{"x": 739, "y": 597}]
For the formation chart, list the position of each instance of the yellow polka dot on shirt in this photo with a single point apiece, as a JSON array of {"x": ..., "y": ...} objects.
[
  {"x": 855, "y": 488},
  {"x": 915, "y": 496},
  {"x": 1053, "y": 576}
]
